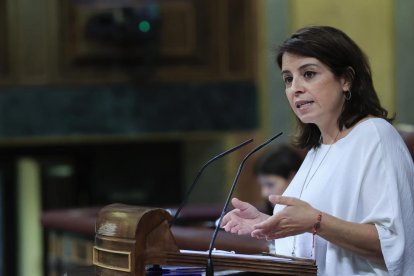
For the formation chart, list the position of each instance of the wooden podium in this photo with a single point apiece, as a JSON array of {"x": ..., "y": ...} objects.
[{"x": 129, "y": 238}]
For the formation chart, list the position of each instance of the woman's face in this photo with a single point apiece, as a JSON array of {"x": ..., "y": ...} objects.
[
  {"x": 272, "y": 184},
  {"x": 314, "y": 93}
]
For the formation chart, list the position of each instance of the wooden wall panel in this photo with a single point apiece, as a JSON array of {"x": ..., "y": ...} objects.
[
  {"x": 4, "y": 60},
  {"x": 58, "y": 43},
  {"x": 197, "y": 40}
]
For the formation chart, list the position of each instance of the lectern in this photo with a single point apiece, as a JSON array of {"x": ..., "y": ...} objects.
[{"x": 130, "y": 238}]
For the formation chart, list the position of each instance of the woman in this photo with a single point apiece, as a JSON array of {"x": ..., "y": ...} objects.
[
  {"x": 350, "y": 204},
  {"x": 275, "y": 170}
]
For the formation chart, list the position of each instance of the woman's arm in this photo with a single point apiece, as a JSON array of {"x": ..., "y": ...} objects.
[
  {"x": 361, "y": 239},
  {"x": 299, "y": 217}
]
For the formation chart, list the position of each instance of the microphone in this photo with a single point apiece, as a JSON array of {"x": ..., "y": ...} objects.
[
  {"x": 210, "y": 266},
  {"x": 201, "y": 171}
]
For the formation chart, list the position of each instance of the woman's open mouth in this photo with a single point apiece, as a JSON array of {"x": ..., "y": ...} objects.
[{"x": 301, "y": 104}]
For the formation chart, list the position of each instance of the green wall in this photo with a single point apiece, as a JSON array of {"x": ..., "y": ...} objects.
[
  {"x": 371, "y": 28},
  {"x": 404, "y": 38}
]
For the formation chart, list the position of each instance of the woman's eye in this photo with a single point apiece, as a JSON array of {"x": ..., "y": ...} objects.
[
  {"x": 287, "y": 79},
  {"x": 309, "y": 74}
]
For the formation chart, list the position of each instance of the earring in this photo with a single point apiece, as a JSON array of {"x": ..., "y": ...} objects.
[{"x": 347, "y": 95}]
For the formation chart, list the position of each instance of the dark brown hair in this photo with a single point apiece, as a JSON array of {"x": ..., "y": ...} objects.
[
  {"x": 345, "y": 59},
  {"x": 282, "y": 161}
]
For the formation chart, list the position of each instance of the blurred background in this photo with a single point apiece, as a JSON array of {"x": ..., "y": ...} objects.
[{"x": 105, "y": 101}]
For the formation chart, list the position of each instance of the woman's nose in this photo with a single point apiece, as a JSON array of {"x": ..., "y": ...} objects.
[
  {"x": 297, "y": 86},
  {"x": 265, "y": 193}
]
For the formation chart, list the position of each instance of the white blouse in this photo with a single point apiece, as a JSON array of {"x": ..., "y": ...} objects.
[{"x": 365, "y": 177}]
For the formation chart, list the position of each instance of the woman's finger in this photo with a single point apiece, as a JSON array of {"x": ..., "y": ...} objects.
[
  {"x": 284, "y": 200},
  {"x": 230, "y": 225},
  {"x": 258, "y": 234},
  {"x": 241, "y": 205},
  {"x": 269, "y": 223}
]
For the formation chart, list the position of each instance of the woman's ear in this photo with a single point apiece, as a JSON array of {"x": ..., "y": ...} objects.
[{"x": 348, "y": 78}]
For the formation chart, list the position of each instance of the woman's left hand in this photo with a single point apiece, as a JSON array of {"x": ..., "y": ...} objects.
[
  {"x": 296, "y": 218},
  {"x": 299, "y": 217}
]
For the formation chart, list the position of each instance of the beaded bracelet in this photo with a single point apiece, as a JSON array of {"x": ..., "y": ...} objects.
[
  {"x": 315, "y": 228},
  {"x": 317, "y": 225}
]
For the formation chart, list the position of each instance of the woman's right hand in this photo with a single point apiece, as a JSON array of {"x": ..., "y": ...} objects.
[{"x": 241, "y": 219}]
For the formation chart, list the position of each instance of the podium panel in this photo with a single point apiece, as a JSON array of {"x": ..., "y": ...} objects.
[{"x": 130, "y": 239}]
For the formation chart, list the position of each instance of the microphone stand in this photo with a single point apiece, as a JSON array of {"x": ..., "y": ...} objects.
[
  {"x": 210, "y": 265},
  {"x": 183, "y": 203}
]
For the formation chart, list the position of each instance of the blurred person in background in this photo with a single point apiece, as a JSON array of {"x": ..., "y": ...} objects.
[{"x": 274, "y": 170}]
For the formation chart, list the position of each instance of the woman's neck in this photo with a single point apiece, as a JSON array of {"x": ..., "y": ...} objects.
[
  {"x": 330, "y": 137},
  {"x": 333, "y": 134}
]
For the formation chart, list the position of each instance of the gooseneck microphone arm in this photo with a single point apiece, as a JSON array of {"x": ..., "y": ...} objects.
[
  {"x": 201, "y": 171},
  {"x": 210, "y": 266}
]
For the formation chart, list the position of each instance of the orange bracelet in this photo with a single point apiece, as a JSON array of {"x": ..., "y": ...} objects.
[
  {"x": 315, "y": 228},
  {"x": 317, "y": 225}
]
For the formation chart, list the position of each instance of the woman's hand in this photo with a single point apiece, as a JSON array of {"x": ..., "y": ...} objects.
[
  {"x": 299, "y": 217},
  {"x": 296, "y": 218},
  {"x": 242, "y": 219}
]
